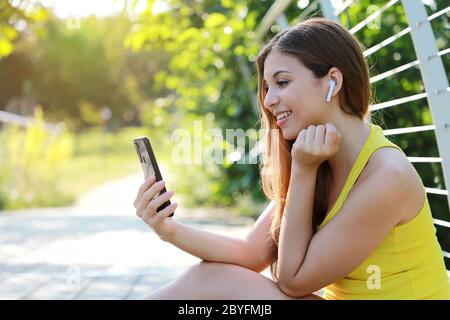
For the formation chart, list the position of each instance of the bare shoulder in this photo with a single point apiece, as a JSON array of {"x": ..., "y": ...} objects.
[{"x": 398, "y": 179}]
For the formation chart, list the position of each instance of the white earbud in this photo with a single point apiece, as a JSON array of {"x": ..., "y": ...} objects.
[{"x": 330, "y": 91}]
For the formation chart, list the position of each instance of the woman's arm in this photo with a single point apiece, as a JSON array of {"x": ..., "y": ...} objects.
[
  {"x": 370, "y": 211},
  {"x": 312, "y": 146},
  {"x": 378, "y": 204},
  {"x": 254, "y": 252},
  {"x": 296, "y": 225}
]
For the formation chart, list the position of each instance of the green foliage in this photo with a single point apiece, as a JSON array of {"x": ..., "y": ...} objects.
[
  {"x": 209, "y": 43},
  {"x": 76, "y": 70},
  {"x": 11, "y": 17}
]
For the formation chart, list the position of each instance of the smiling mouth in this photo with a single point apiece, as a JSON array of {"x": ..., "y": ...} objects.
[{"x": 283, "y": 115}]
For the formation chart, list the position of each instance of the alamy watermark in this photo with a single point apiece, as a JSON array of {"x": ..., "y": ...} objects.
[
  {"x": 210, "y": 146},
  {"x": 374, "y": 280},
  {"x": 73, "y": 279}
]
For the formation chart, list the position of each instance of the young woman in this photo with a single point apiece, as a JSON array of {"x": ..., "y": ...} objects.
[{"x": 348, "y": 214}]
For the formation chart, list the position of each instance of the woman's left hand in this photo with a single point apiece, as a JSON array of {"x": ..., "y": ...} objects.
[{"x": 314, "y": 146}]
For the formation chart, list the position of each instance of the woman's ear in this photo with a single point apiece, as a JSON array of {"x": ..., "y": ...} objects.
[{"x": 334, "y": 76}]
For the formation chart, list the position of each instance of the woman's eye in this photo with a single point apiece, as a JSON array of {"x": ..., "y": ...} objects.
[{"x": 282, "y": 83}]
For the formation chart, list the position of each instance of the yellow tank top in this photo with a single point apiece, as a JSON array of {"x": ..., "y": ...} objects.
[{"x": 407, "y": 264}]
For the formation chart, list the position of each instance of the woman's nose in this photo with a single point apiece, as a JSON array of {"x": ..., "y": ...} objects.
[{"x": 271, "y": 99}]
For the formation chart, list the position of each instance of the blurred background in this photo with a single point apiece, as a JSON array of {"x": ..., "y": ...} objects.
[{"x": 80, "y": 79}]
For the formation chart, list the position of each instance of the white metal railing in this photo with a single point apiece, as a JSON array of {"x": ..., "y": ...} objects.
[
  {"x": 405, "y": 31},
  {"x": 437, "y": 191},
  {"x": 442, "y": 223},
  {"x": 282, "y": 21},
  {"x": 372, "y": 17},
  {"x": 22, "y": 121},
  {"x": 433, "y": 76},
  {"x": 308, "y": 10},
  {"x": 391, "y": 72},
  {"x": 342, "y": 8},
  {"x": 386, "y": 41},
  {"x": 389, "y": 132},
  {"x": 275, "y": 11},
  {"x": 396, "y": 102},
  {"x": 425, "y": 159}
]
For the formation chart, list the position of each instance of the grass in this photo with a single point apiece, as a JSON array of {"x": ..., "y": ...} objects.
[{"x": 100, "y": 157}]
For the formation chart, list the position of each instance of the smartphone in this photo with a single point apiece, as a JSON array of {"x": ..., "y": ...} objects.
[{"x": 149, "y": 165}]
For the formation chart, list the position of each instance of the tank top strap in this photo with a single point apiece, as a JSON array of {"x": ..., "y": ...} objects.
[{"x": 375, "y": 140}]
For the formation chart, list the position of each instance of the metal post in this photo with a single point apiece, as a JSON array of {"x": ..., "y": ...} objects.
[
  {"x": 277, "y": 9},
  {"x": 328, "y": 10},
  {"x": 283, "y": 22},
  {"x": 434, "y": 79}
]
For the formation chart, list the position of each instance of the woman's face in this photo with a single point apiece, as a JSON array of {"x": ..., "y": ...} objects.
[{"x": 293, "y": 88}]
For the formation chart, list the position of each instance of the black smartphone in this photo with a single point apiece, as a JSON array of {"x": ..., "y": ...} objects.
[{"x": 149, "y": 165}]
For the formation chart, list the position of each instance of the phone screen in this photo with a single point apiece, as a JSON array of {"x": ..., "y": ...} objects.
[{"x": 144, "y": 156}]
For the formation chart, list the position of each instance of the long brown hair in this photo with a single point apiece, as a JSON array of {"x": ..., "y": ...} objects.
[{"x": 319, "y": 44}]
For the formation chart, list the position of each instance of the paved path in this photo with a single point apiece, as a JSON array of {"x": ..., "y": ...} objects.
[{"x": 97, "y": 249}]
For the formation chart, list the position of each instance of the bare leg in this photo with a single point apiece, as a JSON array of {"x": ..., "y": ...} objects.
[{"x": 221, "y": 281}]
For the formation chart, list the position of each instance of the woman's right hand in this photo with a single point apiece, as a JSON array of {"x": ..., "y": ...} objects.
[{"x": 146, "y": 204}]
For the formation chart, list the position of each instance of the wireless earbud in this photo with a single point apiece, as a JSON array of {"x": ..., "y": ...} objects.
[{"x": 330, "y": 92}]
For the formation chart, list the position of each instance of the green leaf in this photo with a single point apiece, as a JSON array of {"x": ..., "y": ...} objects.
[{"x": 215, "y": 19}]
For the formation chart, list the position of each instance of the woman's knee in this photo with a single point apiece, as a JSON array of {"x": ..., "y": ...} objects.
[
  {"x": 209, "y": 275},
  {"x": 216, "y": 280},
  {"x": 206, "y": 270},
  {"x": 236, "y": 281}
]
